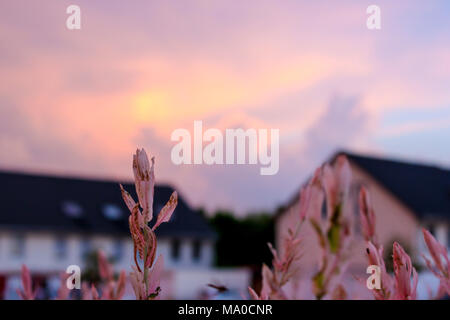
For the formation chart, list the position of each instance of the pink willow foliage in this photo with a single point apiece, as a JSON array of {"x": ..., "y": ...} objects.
[
  {"x": 27, "y": 293},
  {"x": 335, "y": 231},
  {"x": 145, "y": 279},
  {"x": 330, "y": 183},
  {"x": 286, "y": 265},
  {"x": 112, "y": 289},
  {"x": 374, "y": 249},
  {"x": 63, "y": 291},
  {"x": 400, "y": 286},
  {"x": 441, "y": 261}
]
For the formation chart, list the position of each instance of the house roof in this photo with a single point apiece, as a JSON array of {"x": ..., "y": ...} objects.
[
  {"x": 59, "y": 204},
  {"x": 425, "y": 189}
]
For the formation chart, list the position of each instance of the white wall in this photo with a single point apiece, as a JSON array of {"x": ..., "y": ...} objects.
[
  {"x": 40, "y": 252},
  {"x": 185, "y": 259},
  {"x": 186, "y": 275}
]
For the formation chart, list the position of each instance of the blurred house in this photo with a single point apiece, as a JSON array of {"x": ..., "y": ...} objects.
[
  {"x": 406, "y": 198},
  {"x": 49, "y": 223}
]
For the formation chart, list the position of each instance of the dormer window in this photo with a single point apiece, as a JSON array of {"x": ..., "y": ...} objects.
[
  {"x": 112, "y": 211},
  {"x": 72, "y": 209}
]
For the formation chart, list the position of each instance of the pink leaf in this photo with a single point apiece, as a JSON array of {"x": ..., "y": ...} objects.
[
  {"x": 94, "y": 293},
  {"x": 27, "y": 293},
  {"x": 253, "y": 294},
  {"x": 120, "y": 290},
  {"x": 144, "y": 179},
  {"x": 367, "y": 215},
  {"x": 154, "y": 276},
  {"x": 166, "y": 212},
  {"x": 127, "y": 199},
  {"x": 104, "y": 267},
  {"x": 403, "y": 270}
]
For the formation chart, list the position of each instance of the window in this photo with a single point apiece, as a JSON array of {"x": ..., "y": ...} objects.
[
  {"x": 112, "y": 212},
  {"x": 175, "y": 249},
  {"x": 72, "y": 209},
  {"x": 61, "y": 248},
  {"x": 18, "y": 246},
  {"x": 196, "y": 249},
  {"x": 117, "y": 250}
]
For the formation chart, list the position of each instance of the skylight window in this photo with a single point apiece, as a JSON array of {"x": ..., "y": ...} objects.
[
  {"x": 112, "y": 211},
  {"x": 72, "y": 209}
]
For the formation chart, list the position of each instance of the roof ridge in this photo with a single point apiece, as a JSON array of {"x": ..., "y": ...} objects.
[
  {"x": 74, "y": 177},
  {"x": 42, "y": 208},
  {"x": 391, "y": 159}
]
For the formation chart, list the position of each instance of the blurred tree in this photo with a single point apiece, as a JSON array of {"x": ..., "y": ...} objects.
[
  {"x": 90, "y": 272},
  {"x": 243, "y": 241},
  {"x": 201, "y": 211}
]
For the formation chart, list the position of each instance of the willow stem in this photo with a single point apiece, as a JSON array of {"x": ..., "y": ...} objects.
[{"x": 145, "y": 268}]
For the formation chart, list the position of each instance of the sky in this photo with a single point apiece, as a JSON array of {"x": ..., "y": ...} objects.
[{"x": 79, "y": 102}]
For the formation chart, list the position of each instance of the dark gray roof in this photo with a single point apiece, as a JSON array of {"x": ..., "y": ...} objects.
[
  {"x": 425, "y": 189},
  {"x": 35, "y": 202}
]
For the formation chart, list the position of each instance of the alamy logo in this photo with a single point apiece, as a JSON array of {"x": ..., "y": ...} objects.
[
  {"x": 374, "y": 20},
  {"x": 374, "y": 281},
  {"x": 235, "y": 147},
  {"x": 73, "y": 22},
  {"x": 74, "y": 279}
]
